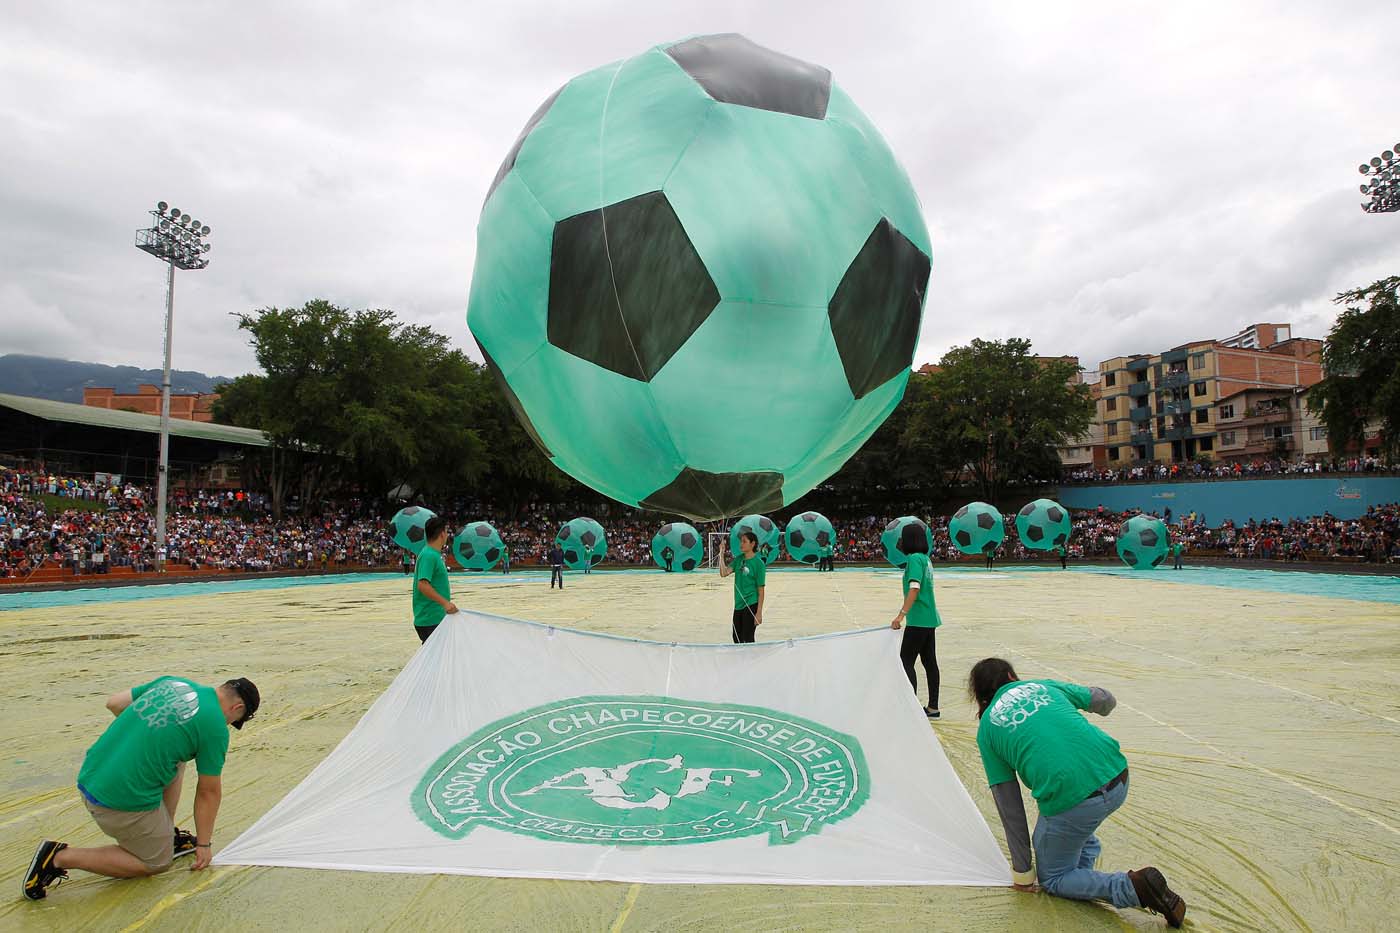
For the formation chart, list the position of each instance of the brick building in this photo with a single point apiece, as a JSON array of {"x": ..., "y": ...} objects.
[
  {"x": 1169, "y": 406},
  {"x": 146, "y": 400}
]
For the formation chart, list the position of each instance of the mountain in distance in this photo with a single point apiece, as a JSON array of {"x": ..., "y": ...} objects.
[{"x": 64, "y": 380}]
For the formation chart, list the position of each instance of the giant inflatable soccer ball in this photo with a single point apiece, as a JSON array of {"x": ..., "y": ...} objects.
[
  {"x": 770, "y": 537},
  {"x": 894, "y": 531},
  {"x": 407, "y": 525},
  {"x": 1043, "y": 525},
  {"x": 1142, "y": 542},
  {"x": 808, "y": 534},
  {"x": 699, "y": 277},
  {"x": 582, "y": 541},
  {"x": 478, "y": 546},
  {"x": 977, "y": 528},
  {"x": 687, "y": 549}
]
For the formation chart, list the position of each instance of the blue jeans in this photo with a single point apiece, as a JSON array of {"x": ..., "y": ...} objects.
[{"x": 1066, "y": 849}]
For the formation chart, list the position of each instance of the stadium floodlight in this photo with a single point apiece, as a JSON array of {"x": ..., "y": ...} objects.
[
  {"x": 1383, "y": 182},
  {"x": 170, "y": 239}
]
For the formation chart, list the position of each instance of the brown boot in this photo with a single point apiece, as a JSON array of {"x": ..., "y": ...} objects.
[{"x": 1154, "y": 895}]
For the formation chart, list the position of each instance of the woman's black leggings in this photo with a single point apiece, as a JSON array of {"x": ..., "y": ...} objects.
[{"x": 919, "y": 644}]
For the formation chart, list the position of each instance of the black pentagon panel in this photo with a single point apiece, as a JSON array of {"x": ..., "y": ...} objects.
[
  {"x": 687, "y": 539},
  {"x": 595, "y": 558},
  {"x": 989, "y": 547},
  {"x": 1148, "y": 537},
  {"x": 823, "y": 538},
  {"x": 766, "y": 524},
  {"x": 564, "y": 533},
  {"x": 809, "y": 516},
  {"x": 588, "y": 538},
  {"x": 795, "y": 537},
  {"x": 1054, "y": 514},
  {"x": 411, "y": 510},
  {"x": 483, "y": 530},
  {"x": 891, "y": 526},
  {"x": 1035, "y": 532},
  {"x": 530, "y": 124},
  {"x": 571, "y": 556},
  {"x": 875, "y": 310},
  {"x": 665, "y": 529},
  {"x": 985, "y": 520},
  {"x": 492, "y": 554},
  {"x": 1122, "y": 530},
  {"x": 1131, "y": 558},
  {"x": 414, "y": 533},
  {"x": 688, "y": 564},
  {"x": 633, "y": 320},
  {"x": 1060, "y": 539},
  {"x": 809, "y": 558},
  {"x": 728, "y": 494},
  {"x": 514, "y": 401},
  {"x": 468, "y": 551},
  {"x": 964, "y": 538},
  {"x": 734, "y": 70},
  {"x": 1158, "y": 559},
  {"x": 960, "y": 512}
]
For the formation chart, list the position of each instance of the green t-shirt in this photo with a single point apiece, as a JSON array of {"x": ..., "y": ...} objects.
[
  {"x": 749, "y": 575},
  {"x": 923, "y": 614},
  {"x": 170, "y": 720},
  {"x": 431, "y": 568},
  {"x": 1033, "y": 729}
]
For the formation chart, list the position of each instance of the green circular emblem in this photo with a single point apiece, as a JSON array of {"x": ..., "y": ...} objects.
[{"x": 642, "y": 770}]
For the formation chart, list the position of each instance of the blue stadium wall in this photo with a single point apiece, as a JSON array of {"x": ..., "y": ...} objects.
[{"x": 1241, "y": 499}]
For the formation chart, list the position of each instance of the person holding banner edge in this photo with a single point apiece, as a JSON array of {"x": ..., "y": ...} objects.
[
  {"x": 750, "y": 578},
  {"x": 919, "y": 616}
]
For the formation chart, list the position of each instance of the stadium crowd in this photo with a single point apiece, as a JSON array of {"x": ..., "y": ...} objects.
[
  {"x": 1253, "y": 469},
  {"x": 234, "y": 530}
]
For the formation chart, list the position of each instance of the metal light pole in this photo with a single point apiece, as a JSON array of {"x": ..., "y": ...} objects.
[
  {"x": 177, "y": 239},
  {"x": 1383, "y": 186}
]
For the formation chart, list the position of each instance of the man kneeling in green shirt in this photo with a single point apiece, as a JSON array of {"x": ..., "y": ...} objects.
[
  {"x": 1032, "y": 729},
  {"x": 131, "y": 779}
]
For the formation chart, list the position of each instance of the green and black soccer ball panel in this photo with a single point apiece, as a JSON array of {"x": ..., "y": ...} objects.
[
  {"x": 478, "y": 546},
  {"x": 407, "y": 527},
  {"x": 770, "y": 537},
  {"x": 890, "y": 538},
  {"x": 1043, "y": 525},
  {"x": 734, "y": 214},
  {"x": 686, "y": 545},
  {"x": 582, "y": 542},
  {"x": 808, "y": 534},
  {"x": 977, "y": 528},
  {"x": 1143, "y": 542}
]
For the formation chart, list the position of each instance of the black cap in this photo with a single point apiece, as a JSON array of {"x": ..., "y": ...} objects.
[{"x": 248, "y": 693}]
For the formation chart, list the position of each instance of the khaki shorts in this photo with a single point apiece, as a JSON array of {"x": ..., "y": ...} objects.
[{"x": 147, "y": 834}]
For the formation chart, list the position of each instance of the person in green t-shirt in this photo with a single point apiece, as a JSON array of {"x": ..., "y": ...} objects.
[
  {"x": 132, "y": 776},
  {"x": 750, "y": 578},
  {"x": 1176, "y": 550},
  {"x": 1032, "y": 729},
  {"x": 432, "y": 595},
  {"x": 1062, "y": 553},
  {"x": 919, "y": 616}
]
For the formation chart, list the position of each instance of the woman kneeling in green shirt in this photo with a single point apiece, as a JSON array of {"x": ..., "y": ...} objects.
[{"x": 1078, "y": 776}]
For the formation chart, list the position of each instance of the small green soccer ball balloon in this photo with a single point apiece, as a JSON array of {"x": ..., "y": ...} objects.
[
  {"x": 582, "y": 541},
  {"x": 770, "y": 537},
  {"x": 478, "y": 546},
  {"x": 977, "y": 528},
  {"x": 706, "y": 212},
  {"x": 1143, "y": 542},
  {"x": 808, "y": 534},
  {"x": 1043, "y": 525},
  {"x": 687, "y": 549},
  {"x": 407, "y": 525},
  {"x": 889, "y": 538}
]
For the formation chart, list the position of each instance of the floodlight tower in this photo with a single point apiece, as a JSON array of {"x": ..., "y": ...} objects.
[
  {"x": 178, "y": 240},
  {"x": 1383, "y": 185}
]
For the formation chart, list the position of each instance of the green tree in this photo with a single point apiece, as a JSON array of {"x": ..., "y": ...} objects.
[
  {"x": 356, "y": 401},
  {"x": 1361, "y": 360},
  {"x": 998, "y": 413}
]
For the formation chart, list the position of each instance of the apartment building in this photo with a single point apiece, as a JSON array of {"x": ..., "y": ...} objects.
[{"x": 1166, "y": 407}]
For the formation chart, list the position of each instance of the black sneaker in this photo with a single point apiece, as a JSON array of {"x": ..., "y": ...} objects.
[
  {"x": 1154, "y": 895},
  {"x": 42, "y": 872},
  {"x": 932, "y": 713},
  {"x": 184, "y": 843}
]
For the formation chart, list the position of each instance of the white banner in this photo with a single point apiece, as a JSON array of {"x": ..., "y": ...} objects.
[{"x": 515, "y": 749}]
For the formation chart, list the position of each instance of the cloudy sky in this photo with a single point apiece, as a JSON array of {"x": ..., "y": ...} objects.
[{"x": 1103, "y": 178}]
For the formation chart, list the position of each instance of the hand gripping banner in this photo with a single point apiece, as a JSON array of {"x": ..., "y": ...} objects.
[{"x": 514, "y": 749}]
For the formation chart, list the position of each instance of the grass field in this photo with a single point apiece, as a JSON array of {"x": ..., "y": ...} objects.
[{"x": 1262, "y": 728}]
